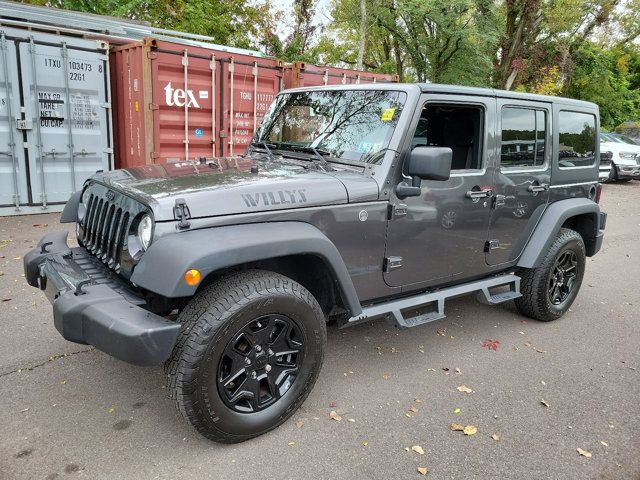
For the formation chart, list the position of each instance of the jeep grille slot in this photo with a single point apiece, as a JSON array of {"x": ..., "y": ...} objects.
[{"x": 105, "y": 228}]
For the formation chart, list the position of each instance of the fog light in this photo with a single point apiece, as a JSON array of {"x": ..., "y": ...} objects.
[{"x": 192, "y": 277}]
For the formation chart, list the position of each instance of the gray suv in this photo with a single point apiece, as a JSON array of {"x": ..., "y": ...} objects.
[{"x": 352, "y": 203}]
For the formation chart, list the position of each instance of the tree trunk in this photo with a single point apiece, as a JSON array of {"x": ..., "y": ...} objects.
[{"x": 363, "y": 29}]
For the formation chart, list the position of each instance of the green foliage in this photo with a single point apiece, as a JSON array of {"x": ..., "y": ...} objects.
[{"x": 604, "y": 77}]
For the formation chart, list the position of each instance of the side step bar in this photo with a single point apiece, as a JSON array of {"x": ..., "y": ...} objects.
[{"x": 428, "y": 307}]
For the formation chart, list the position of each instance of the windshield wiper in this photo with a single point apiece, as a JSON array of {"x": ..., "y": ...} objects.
[
  {"x": 267, "y": 147},
  {"x": 318, "y": 152}
]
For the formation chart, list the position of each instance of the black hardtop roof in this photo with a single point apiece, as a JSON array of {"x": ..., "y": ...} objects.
[{"x": 455, "y": 90}]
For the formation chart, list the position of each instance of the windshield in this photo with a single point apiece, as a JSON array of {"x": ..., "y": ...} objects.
[{"x": 345, "y": 124}]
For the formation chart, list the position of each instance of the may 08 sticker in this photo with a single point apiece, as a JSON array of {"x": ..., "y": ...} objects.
[{"x": 387, "y": 114}]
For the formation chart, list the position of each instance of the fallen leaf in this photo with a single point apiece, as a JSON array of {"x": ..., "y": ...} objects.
[
  {"x": 441, "y": 333},
  {"x": 418, "y": 449},
  {"x": 470, "y": 430},
  {"x": 423, "y": 471},
  {"x": 299, "y": 424},
  {"x": 413, "y": 409},
  {"x": 6, "y": 299},
  {"x": 544, "y": 402},
  {"x": 291, "y": 443},
  {"x": 17, "y": 258},
  {"x": 333, "y": 415},
  {"x": 456, "y": 410},
  {"x": 385, "y": 376},
  {"x": 584, "y": 453},
  {"x": 352, "y": 420},
  {"x": 603, "y": 443},
  {"x": 464, "y": 389},
  {"x": 408, "y": 415},
  {"x": 496, "y": 437},
  {"x": 458, "y": 371},
  {"x": 539, "y": 350},
  {"x": 333, "y": 405},
  {"x": 543, "y": 382},
  {"x": 431, "y": 369},
  {"x": 63, "y": 382},
  {"x": 491, "y": 344},
  {"x": 446, "y": 369},
  {"x": 456, "y": 427},
  {"x": 111, "y": 410},
  {"x": 365, "y": 444}
]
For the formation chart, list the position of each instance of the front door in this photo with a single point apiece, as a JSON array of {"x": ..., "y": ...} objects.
[
  {"x": 522, "y": 177},
  {"x": 440, "y": 235}
]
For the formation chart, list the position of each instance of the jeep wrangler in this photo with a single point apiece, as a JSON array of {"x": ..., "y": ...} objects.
[{"x": 352, "y": 203}]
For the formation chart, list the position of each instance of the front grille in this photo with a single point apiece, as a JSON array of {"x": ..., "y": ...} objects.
[
  {"x": 105, "y": 229},
  {"x": 106, "y": 225}
]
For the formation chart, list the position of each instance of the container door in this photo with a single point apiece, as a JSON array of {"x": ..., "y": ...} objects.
[
  {"x": 184, "y": 106},
  {"x": 13, "y": 176},
  {"x": 65, "y": 95},
  {"x": 248, "y": 90}
]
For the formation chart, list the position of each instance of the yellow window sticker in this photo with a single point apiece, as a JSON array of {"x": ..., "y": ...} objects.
[{"x": 387, "y": 114}]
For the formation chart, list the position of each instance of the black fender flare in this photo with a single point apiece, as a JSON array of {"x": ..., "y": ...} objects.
[
  {"x": 550, "y": 223},
  {"x": 163, "y": 265},
  {"x": 70, "y": 210}
]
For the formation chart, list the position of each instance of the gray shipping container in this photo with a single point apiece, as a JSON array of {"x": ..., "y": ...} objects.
[{"x": 55, "y": 118}]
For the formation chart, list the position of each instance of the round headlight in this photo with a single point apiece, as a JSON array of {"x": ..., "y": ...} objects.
[
  {"x": 144, "y": 231},
  {"x": 85, "y": 196}
]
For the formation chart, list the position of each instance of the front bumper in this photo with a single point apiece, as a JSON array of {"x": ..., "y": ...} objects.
[
  {"x": 628, "y": 171},
  {"x": 92, "y": 305}
]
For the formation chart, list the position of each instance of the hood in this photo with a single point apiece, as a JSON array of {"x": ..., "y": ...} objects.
[{"x": 234, "y": 185}]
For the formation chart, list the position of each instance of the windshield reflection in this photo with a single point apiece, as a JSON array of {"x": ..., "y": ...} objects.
[{"x": 352, "y": 125}]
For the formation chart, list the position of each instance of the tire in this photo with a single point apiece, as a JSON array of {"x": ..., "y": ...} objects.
[
  {"x": 240, "y": 316},
  {"x": 542, "y": 301}
]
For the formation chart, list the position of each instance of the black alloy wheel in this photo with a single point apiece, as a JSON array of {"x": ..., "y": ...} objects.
[
  {"x": 260, "y": 363},
  {"x": 563, "y": 276}
]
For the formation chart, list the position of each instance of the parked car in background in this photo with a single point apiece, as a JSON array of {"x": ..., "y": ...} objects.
[{"x": 625, "y": 157}]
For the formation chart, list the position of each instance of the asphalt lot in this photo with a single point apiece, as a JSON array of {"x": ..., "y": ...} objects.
[{"x": 69, "y": 411}]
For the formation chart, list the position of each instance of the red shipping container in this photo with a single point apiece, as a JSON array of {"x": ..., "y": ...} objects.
[
  {"x": 174, "y": 102},
  {"x": 301, "y": 74}
]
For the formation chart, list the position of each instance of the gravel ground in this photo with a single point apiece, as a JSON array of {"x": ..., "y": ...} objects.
[{"x": 69, "y": 411}]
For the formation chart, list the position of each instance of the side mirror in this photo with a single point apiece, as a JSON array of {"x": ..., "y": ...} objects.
[{"x": 425, "y": 163}]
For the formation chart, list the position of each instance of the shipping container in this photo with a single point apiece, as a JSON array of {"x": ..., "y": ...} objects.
[
  {"x": 175, "y": 102},
  {"x": 54, "y": 117},
  {"x": 301, "y": 74}
]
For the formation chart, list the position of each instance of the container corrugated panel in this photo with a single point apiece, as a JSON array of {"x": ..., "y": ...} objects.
[
  {"x": 180, "y": 102},
  {"x": 54, "y": 116},
  {"x": 301, "y": 74}
]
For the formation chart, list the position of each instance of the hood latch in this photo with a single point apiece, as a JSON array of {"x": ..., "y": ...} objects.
[{"x": 181, "y": 213}]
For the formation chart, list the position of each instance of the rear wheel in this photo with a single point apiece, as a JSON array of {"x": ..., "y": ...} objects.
[
  {"x": 249, "y": 353},
  {"x": 549, "y": 290}
]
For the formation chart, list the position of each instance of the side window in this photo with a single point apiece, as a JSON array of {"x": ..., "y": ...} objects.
[
  {"x": 456, "y": 126},
  {"x": 523, "y": 137},
  {"x": 577, "y": 133}
]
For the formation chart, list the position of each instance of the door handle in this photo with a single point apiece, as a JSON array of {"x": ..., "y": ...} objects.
[
  {"x": 538, "y": 188},
  {"x": 473, "y": 194}
]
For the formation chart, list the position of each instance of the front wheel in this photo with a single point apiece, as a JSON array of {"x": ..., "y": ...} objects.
[
  {"x": 249, "y": 353},
  {"x": 549, "y": 290}
]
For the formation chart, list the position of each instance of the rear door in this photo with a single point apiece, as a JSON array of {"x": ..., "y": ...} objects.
[{"x": 522, "y": 177}]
